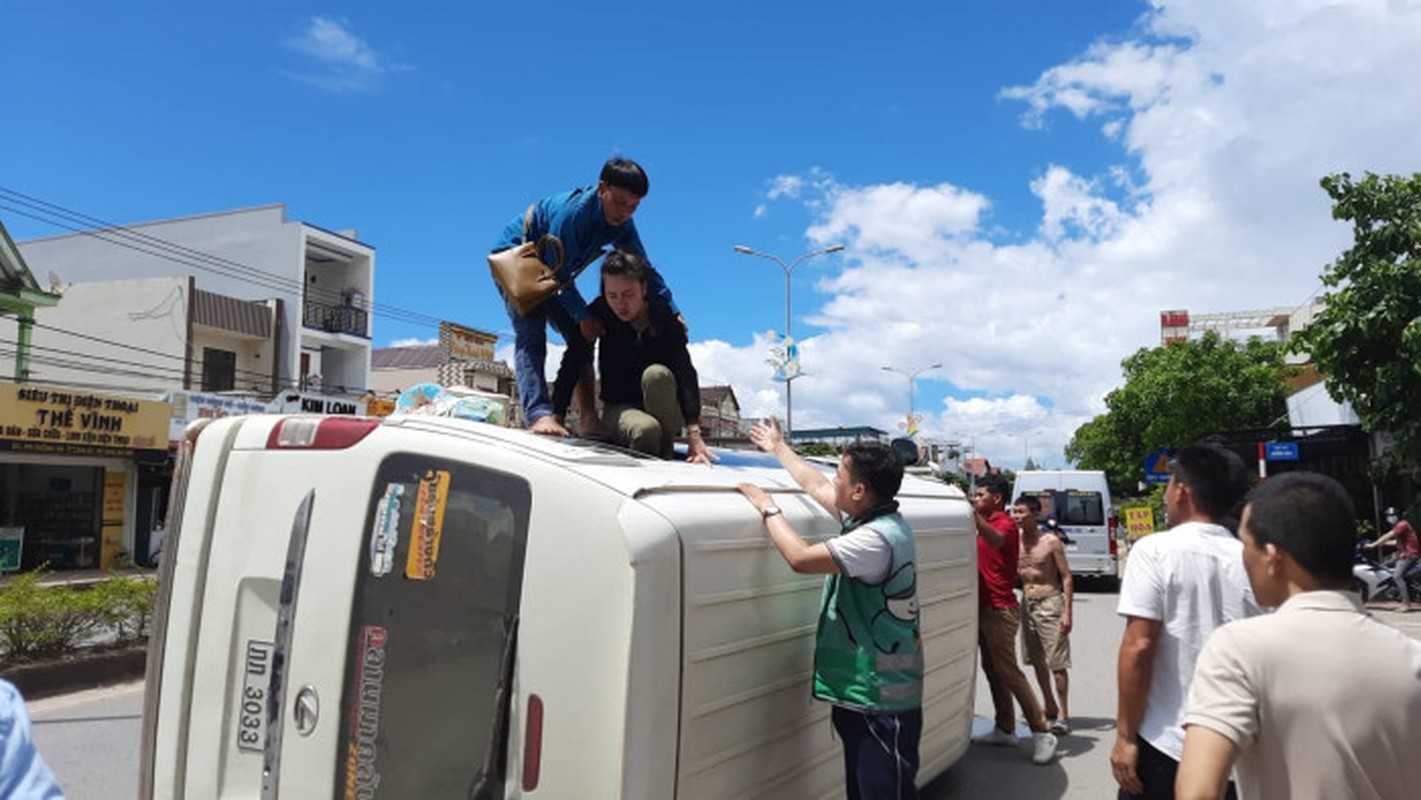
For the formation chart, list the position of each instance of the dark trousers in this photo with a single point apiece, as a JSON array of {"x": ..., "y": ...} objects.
[
  {"x": 880, "y": 753},
  {"x": 1157, "y": 771}
]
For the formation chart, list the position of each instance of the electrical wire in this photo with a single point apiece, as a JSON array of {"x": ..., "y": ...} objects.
[{"x": 124, "y": 236}]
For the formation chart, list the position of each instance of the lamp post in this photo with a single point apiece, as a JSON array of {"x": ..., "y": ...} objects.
[
  {"x": 1025, "y": 445},
  {"x": 912, "y": 386},
  {"x": 788, "y": 270}
]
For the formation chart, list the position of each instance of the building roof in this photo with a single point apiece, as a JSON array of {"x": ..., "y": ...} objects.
[
  {"x": 421, "y": 356},
  {"x": 715, "y": 395},
  {"x": 980, "y": 467},
  {"x": 16, "y": 280}
]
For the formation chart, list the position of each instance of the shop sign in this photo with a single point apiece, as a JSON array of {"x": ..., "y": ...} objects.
[
  {"x": 114, "y": 509},
  {"x": 191, "y": 406},
  {"x": 305, "y": 403},
  {"x": 60, "y": 421},
  {"x": 1140, "y": 521},
  {"x": 465, "y": 344},
  {"x": 378, "y": 406}
]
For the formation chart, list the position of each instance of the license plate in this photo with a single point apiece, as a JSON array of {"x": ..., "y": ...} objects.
[{"x": 251, "y": 704}]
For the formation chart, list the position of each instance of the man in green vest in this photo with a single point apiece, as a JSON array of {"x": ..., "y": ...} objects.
[{"x": 868, "y": 656}]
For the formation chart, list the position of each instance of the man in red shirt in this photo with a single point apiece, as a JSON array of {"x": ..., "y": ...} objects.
[
  {"x": 1405, "y": 538},
  {"x": 998, "y": 616}
]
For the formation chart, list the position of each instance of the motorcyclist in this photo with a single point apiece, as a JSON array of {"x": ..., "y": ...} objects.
[{"x": 1404, "y": 535}]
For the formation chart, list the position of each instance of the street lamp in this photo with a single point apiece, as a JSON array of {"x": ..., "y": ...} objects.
[
  {"x": 912, "y": 385},
  {"x": 1025, "y": 445},
  {"x": 788, "y": 270}
]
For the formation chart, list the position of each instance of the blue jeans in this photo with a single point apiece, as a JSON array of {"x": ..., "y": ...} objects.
[
  {"x": 530, "y": 353},
  {"x": 880, "y": 753}
]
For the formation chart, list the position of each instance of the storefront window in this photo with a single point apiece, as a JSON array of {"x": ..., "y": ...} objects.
[{"x": 56, "y": 512}]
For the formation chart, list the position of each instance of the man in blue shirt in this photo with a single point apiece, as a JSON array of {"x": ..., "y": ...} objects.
[
  {"x": 22, "y": 772},
  {"x": 585, "y": 219}
]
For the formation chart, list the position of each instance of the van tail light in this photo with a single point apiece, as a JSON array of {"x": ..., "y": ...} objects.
[
  {"x": 319, "y": 433},
  {"x": 1114, "y": 523},
  {"x": 533, "y": 743}
]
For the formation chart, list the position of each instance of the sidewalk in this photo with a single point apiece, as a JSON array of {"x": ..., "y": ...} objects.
[
  {"x": 1409, "y": 624},
  {"x": 83, "y": 576}
]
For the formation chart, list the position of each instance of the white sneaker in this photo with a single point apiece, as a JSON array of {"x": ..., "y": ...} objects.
[
  {"x": 996, "y": 736},
  {"x": 1060, "y": 727},
  {"x": 1043, "y": 747}
]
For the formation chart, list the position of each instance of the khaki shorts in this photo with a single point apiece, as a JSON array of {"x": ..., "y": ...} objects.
[{"x": 1041, "y": 639}]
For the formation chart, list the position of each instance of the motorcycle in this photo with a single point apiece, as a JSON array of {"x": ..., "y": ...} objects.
[{"x": 1372, "y": 578}]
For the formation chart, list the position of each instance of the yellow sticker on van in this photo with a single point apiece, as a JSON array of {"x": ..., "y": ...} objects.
[{"x": 429, "y": 506}]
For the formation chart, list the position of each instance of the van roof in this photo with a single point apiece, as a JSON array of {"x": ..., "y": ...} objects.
[{"x": 632, "y": 475}]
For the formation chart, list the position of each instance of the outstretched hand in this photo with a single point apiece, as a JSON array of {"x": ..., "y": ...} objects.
[{"x": 767, "y": 435}]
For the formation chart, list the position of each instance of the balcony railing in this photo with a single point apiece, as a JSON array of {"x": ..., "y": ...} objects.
[{"x": 336, "y": 319}]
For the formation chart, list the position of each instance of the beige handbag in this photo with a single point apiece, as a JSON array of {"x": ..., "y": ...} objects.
[{"x": 521, "y": 273}]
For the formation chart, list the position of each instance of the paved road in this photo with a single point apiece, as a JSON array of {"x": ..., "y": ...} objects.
[
  {"x": 90, "y": 739},
  {"x": 1082, "y": 768}
]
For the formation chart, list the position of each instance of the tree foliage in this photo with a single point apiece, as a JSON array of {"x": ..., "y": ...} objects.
[
  {"x": 1176, "y": 394},
  {"x": 1367, "y": 339}
]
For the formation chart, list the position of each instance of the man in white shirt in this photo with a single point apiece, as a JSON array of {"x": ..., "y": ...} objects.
[
  {"x": 1179, "y": 586},
  {"x": 1317, "y": 700}
]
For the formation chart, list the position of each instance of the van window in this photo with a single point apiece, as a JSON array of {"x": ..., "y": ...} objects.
[
  {"x": 434, "y": 610},
  {"x": 1071, "y": 507},
  {"x": 1081, "y": 508}
]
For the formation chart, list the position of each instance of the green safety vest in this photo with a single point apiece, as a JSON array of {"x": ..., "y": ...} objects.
[{"x": 868, "y": 654}]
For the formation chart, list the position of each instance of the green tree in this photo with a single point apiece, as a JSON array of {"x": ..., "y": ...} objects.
[
  {"x": 1367, "y": 339},
  {"x": 1176, "y": 394}
]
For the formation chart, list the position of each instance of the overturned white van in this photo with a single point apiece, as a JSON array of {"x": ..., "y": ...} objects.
[{"x": 428, "y": 607}]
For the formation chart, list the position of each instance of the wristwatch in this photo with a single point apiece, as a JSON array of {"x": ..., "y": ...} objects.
[{"x": 770, "y": 510}]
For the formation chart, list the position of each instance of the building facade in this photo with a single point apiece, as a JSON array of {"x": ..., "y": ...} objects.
[{"x": 154, "y": 325}]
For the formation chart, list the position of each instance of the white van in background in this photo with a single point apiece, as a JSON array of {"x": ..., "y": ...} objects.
[
  {"x": 1080, "y": 502},
  {"x": 424, "y": 607}
]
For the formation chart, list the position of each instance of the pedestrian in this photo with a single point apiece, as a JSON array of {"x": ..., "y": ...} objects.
[
  {"x": 585, "y": 220},
  {"x": 1318, "y": 700},
  {"x": 1409, "y": 551},
  {"x": 650, "y": 390},
  {"x": 998, "y": 617},
  {"x": 1179, "y": 586},
  {"x": 868, "y": 654},
  {"x": 1048, "y": 595},
  {"x": 23, "y": 773}
]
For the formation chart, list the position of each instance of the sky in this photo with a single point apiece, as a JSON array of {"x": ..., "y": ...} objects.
[{"x": 1020, "y": 186}]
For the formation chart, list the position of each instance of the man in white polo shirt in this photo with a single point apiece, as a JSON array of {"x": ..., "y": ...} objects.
[
  {"x": 1179, "y": 585},
  {"x": 1317, "y": 700}
]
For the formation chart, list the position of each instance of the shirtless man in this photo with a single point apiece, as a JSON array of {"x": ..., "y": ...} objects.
[{"x": 1046, "y": 623}]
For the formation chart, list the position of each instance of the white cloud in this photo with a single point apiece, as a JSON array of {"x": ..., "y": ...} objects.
[
  {"x": 785, "y": 186},
  {"x": 919, "y": 223},
  {"x": 1226, "y": 115},
  {"x": 414, "y": 342},
  {"x": 343, "y": 61}
]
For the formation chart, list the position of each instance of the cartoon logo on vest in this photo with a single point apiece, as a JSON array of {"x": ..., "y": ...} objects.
[{"x": 900, "y": 602}]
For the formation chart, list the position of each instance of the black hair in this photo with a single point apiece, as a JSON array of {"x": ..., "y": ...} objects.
[
  {"x": 625, "y": 173},
  {"x": 628, "y": 264},
  {"x": 995, "y": 484},
  {"x": 1311, "y": 518},
  {"x": 1032, "y": 503},
  {"x": 875, "y": 465},
  {"x": 1217, "y": 478}
]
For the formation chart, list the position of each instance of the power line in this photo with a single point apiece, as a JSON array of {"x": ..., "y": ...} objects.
[{"x": 123, "y": 236}]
